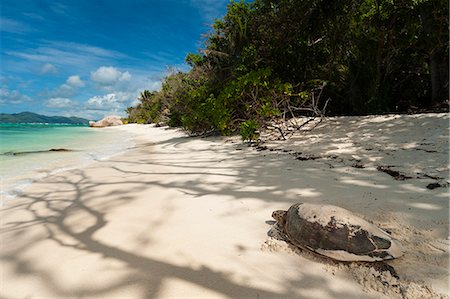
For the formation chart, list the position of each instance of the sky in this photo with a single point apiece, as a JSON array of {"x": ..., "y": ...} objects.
[{"x": 91, "y": 58}]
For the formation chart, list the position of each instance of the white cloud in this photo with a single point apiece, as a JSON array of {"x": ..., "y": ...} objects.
[
  {"x": 210, "y": 9},
  {"x": 34, "y": 16},
  {"x": 67, "y": 89},
  {"x": 13, "y": 26},
  {"x": 48, "y": 68},
  {"x": 62, "y": 91},
  {"x": 126, "y": 76},
  {"x": 60, "y": 8},
  {"x": 78, "y": 57},
  {"x": 105, "y": 102},
  {"x": 12, "y": 96},
  {"x": 59, "y": 103},
  {"x": 75, "y": 81},
  {"x": 111, "y": 103},
  {"x": 108, "y": 75}
]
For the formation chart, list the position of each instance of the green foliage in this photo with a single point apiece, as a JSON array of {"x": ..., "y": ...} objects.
[
  {"x": 193, "y": 59},
  {"x": 266, "y": 59},
  {"x": 153, "y": 108},
  {"x": 249, "y": 130},
  {"x": 250, "y": 96}
]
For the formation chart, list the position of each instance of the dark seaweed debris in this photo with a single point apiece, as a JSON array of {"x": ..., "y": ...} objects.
[
  {"x": 432, "y": 186},
  {"x": 358, "y": 165},
  {"x": 393, "y": 173},
  {"x": 37, "y": 152}
]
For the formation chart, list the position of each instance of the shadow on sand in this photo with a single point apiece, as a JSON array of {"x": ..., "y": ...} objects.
[{"x": 245, "y": 168}]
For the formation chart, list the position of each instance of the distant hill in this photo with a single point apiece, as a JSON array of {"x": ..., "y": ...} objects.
[{"x": 29, "y": 117}]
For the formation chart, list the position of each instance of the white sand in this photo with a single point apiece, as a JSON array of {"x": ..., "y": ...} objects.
[{"x": 188, "y": 217}]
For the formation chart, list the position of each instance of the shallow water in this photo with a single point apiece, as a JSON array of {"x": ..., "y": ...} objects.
[{"x": 25, "y": 151}]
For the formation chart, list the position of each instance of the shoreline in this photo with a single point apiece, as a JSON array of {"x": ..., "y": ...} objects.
[
  {"x": 187, "y": 216},
  {"x": 30, "y": 166}
]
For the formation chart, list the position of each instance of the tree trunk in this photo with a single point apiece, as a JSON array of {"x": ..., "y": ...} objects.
[{"x": 439, "y": 78}]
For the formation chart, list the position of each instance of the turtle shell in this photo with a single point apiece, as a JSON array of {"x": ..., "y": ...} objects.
[{"x": 337, "y": 233}]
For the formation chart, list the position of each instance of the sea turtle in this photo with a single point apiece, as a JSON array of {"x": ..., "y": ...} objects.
[{"x": 336, "y": 233}]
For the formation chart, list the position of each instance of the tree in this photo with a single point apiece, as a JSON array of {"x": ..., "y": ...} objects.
[{"x": 273, "y": 58}]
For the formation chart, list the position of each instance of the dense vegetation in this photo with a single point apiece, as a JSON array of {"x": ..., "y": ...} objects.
[
  {"x": 280, "y": 58},
  {"x": 29, "y": 118}
]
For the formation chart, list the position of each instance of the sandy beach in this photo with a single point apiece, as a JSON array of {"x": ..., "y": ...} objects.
[{"x": 188, "y": 217}]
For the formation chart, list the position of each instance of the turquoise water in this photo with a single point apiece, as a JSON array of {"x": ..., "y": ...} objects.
[
  {"x": 25, "y": 155},
  {"x": 35, "y": 137}
]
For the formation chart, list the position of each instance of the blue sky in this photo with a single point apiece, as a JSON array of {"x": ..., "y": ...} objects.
[{"x": 91, "y": 58}]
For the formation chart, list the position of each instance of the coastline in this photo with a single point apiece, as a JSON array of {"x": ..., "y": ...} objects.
[
  {"x": 181, "y": 216},
  {"x": 21, "y": 166}
]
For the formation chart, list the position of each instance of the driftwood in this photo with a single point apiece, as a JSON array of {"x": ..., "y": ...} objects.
[{"x": 288, "y": 124}]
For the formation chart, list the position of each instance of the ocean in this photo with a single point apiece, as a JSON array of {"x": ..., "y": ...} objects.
[{"x": 33, "y": 151}]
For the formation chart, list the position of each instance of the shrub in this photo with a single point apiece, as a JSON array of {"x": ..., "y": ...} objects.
[{"x": 249, "y": 130}]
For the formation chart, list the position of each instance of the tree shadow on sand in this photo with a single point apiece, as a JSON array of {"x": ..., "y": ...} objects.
[
  {"x": 232, "y": 171},
  {"x": 52, "y": 212}
]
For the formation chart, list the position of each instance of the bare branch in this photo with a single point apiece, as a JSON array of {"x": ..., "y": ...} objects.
[{"x": 286, "y": 127}]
